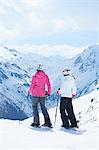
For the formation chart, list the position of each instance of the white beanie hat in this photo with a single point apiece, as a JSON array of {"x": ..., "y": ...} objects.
[
  {"x": 40, "y": 66},
  {"x": 66, "y": 71}
]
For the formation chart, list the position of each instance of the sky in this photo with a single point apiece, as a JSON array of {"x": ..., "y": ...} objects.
[{"x": 50, "y": 22}]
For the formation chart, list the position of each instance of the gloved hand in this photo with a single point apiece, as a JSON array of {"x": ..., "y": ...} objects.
[
  {"x": 58, "y": 91},
  {"x": 73, "y": 95},
  {"x": 46, "y": 93}
]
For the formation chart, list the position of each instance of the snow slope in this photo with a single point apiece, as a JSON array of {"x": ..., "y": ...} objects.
[{"x": 15, "y": 135}]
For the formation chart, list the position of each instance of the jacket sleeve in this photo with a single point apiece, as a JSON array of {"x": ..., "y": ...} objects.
[
  {"x": 32, "y": 85},
  {"x": 48, "y": 85},
  {"x": 73, "y": 87}
]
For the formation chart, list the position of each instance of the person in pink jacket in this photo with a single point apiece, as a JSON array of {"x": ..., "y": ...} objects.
[{"x": 37, "y": 90}]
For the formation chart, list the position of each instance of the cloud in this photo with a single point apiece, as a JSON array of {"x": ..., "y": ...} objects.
[
  {"x": 26, "y": 18},
  {"x": 2, "y": 10},
  {"x": 7, "y": 33},
  {"x": 47, "y": 50}
]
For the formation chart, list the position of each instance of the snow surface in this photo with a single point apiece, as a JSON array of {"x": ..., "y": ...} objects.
[{"x": 15, "y": 135}]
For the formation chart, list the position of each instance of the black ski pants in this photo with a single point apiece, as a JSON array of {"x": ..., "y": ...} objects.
[{"x": 67, "y": 112}]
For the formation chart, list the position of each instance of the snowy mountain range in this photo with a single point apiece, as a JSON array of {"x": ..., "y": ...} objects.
[{"x": 16, "y": 70}]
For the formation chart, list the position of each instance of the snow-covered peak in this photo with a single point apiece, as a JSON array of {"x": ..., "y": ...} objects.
[{"x": 6, "y": 53}]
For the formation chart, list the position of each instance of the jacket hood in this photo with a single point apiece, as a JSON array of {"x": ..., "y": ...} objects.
[{"x": 39, "y": 73}]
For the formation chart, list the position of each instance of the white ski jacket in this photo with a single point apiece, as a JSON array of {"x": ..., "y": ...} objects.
[{"x": 68, "y": 86}]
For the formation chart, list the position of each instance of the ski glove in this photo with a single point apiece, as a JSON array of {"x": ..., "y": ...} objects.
[
  {"x": 58, "y": 91},
  {"x": 46, "y": 93},
  {"x": 73, "y": 95}
]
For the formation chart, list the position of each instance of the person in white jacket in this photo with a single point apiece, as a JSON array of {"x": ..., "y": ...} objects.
[{"x": 67, "y": 91}]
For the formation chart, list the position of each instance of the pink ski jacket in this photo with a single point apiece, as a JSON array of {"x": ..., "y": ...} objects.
[{"x": 37, "y": 87}]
